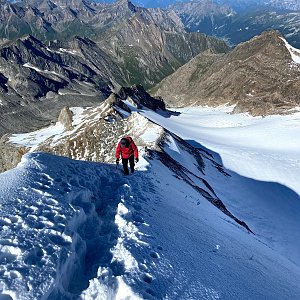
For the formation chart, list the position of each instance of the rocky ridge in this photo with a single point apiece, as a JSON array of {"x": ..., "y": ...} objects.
[
  {"x": 94, "y": 136},
  {"x": 258, "y": 77},
  {"x": 36, "y": 81}
]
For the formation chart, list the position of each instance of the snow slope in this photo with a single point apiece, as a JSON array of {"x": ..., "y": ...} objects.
[
  {"x": 261, "y": 155},
  {"x": 260, "y": 148},
  {"x": 81, "y": 230}
]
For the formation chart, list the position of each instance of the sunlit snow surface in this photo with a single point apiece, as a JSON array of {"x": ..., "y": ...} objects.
[
  {"x": 262, "y": 156},
  {"x": 79, "y": 230},
  {"x": 260, "y": 148}
]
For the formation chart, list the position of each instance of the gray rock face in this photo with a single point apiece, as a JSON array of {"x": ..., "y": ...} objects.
[
  {"x": 140, "y": 98},
  {"x": 258, "y": 76},
  {"x": 11, "y": 154},
  {"x": 37, "y": 81},
  {"x": 66, "y": 118}
]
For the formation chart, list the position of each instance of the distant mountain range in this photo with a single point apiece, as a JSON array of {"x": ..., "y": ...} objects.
[
  {"x": 116, "y": 45},
  {"x": 239, "y": 21},
  {"x": 236, "y": 4},
  {"x": 235, "y": 21},
  {"x": 150, "y": 44},
  {"x": 261, "y": 76}
]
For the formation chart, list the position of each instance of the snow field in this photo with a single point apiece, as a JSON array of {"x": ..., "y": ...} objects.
[
  {"x": 261, "y": 159},
  {"x": 259, "y": 148},
  {"x": 73, "y": 226}
]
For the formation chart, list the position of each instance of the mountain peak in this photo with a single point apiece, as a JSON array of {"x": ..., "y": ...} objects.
[
  {"x": 268, "y": 43},
  {"x": 256, "y": 76},
  {"x": 127, "y": 4}
]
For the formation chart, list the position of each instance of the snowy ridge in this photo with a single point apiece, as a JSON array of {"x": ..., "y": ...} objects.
[
  {"x": 172, "y": 230},
  {"x": 56, "y": 228},
  {"x": 116, "y": 238}
]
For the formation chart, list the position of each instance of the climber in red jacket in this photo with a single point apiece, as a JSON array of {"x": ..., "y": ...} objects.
[{"x": 129, "y": 153}]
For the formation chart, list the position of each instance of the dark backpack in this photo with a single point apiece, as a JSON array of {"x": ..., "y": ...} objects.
[{"x": 126, "y": 142}]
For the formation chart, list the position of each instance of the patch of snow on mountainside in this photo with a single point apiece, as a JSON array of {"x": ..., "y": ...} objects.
[
  {"x": 295, "y": 53},
  {"x": 30, "y": 66},
  {"x": 33, "y": 139}
]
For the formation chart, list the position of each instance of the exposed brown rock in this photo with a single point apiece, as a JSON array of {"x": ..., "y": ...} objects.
[
  {"x": 95, "y": 139},
  {"x": 258, "y": 76},
  {"x": 11, "y": 154},
  {"x": 66, "y": 118}
]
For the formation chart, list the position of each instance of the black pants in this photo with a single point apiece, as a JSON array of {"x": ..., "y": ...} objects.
[{"x": 125, "y": 164}]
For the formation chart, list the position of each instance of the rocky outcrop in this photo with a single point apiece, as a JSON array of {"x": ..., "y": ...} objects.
[
  {"x": 95, "y": 137},
  {"x": 139, "y": 97},
  {"x": 11, "y": 154},
  {"x": 66, "y": 118},
  {"x": 258, "y": 77}
]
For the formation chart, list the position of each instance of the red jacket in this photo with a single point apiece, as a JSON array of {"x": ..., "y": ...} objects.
[{"x": 127, "y": 152}]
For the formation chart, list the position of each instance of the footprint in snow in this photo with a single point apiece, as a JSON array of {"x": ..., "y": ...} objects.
[
  {"x": 137, "y": 218},
  {"x": 5, "y": 221},
  {"x": 147, "y": 278},
  {"x": 57, "y": 179},
  {"x": 51, "y": 202},
  {"x": 154, "y": 254},
  {"x": 149, "y": 294},
  {"x": 58, "y": 240},
  {"x": 34, "y": 257},
  {"x": 5, "y": 297},
  {"x": 8, "y": 254},
  {"x": 43, "y": 186},
  {"x": 143, "y": 267}
]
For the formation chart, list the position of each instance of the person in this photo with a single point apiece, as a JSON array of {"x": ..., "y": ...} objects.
[{"x": 129, "y": 153}]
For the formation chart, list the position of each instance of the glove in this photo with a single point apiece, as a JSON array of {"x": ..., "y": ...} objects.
[
  {"x": 136, "y": 160},
  {"x": 117, "y": 161}
]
